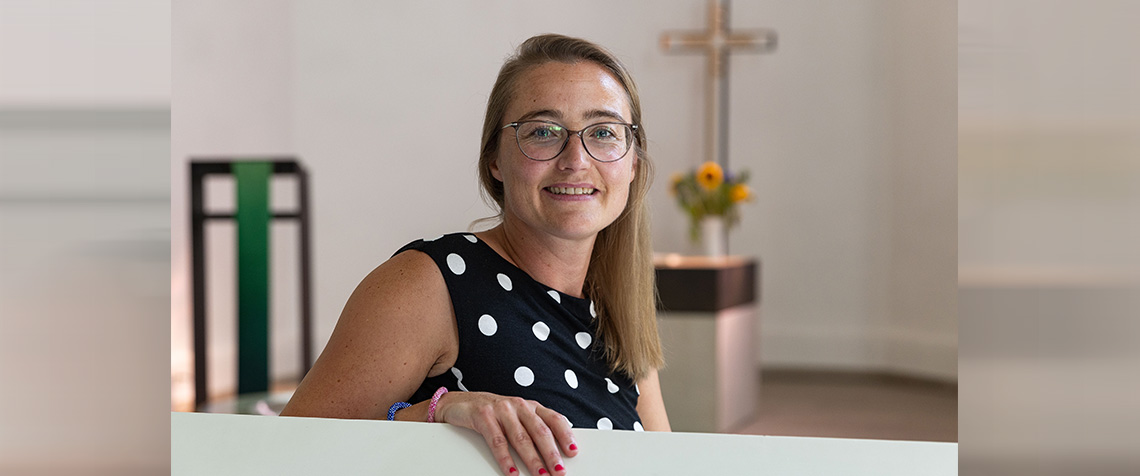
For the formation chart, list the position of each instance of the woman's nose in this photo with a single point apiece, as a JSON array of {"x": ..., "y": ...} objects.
[{"x": 574, "y": 156}]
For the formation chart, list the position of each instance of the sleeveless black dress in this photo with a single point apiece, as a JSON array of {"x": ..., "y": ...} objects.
[{"x": 521, "y": 338}]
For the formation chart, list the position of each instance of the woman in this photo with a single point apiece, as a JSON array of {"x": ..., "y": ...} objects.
[{"x": 544, "y": 322}]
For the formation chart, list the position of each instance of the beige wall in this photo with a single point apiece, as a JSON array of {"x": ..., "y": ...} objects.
[{"x": 921, "y": 332}]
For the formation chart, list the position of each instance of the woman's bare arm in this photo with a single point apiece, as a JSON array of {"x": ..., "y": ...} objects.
[
  {"x": 650, "y": 405},
  {"x": 396, "y": 329}
]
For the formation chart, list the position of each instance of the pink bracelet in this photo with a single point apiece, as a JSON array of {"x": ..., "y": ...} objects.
[{"x": 434, "y": 402}]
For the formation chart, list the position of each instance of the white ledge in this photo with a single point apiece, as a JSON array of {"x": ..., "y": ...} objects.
[{"x": 217, "y": 444}]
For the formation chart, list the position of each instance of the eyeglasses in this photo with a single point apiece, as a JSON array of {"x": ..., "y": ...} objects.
[{"x": 544, "y": 140}]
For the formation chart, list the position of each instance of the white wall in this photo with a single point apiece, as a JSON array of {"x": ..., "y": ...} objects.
[
  {"x": 853, "y": 127},
  {"x": 232, "y": 96},
  {"x": 812, "y": 124},
  {"x": 852, "y": 218},
  {"x": 77, "y": 53},
  {"x": 921, "y": 333}
]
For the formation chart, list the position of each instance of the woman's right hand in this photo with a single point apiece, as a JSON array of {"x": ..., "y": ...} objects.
[{"x": 538, "y": 434}]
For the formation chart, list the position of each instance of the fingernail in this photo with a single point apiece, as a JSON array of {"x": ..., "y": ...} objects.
[
  {"x": 573, "y": 447},
  {"x": 513, "y": 470},
  {"x": 541, "y": 470},
  {"x": 558, "y": 467}
]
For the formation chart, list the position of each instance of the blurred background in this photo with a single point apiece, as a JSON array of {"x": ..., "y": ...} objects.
[
  {"x": 1048, "y": 236},
  {"x": 84, "y": 236},
  {"x": 848, "y": 130}
]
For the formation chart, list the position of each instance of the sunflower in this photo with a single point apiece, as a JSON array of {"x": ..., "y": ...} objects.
[
  {"x": 710, "y": 175},
  {"x": 739, "y": 193}
]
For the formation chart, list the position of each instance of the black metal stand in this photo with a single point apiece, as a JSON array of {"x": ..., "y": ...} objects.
[{"x": 199, "y": 169}]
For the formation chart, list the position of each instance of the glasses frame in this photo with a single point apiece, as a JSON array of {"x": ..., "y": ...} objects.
[{"x": 518, "y": 142}]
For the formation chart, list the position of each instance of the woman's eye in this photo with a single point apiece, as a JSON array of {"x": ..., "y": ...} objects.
[
  {"x": 545, "y": 132},
  {"x": 603, "y": 133}
]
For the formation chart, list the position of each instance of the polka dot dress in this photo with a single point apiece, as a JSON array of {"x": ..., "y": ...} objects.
[{"x": 519, "y": 337}]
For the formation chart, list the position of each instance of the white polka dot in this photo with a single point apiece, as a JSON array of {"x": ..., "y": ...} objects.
[
  {"x": 433, "y": 239},
  {"x": 613, "y": 388},
  {"x": 592, "y": 313},
  {"x": 554, "y": 294},
  {"x": 583, "y": 339},
  {"x": 524, "y": 376},
  {"x": 541, "y": 330},
  {"x": 637, "y": 426},
  {"x": 605, "y": 424},
  {"x": 571, "y": 378},
  {"x": 471, "y": 238},
  {"x": 455, "y": 262},
  {"x": 487, "y": 325},
  {"x": 505, "y": 281},
  {"x": 459, "y": 378}
]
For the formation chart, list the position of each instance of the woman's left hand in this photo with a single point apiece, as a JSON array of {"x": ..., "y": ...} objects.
[{"x": 538, "y": 434}]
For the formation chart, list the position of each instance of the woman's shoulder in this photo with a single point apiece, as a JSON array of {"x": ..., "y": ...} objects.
[
  {"x": 416, "y": 267},
  {"x": 412, "y": 267},
  {"x": 408, "y": 287},
  {"x": 453, "y": 253},
  {"x": 438, "y": 244}
]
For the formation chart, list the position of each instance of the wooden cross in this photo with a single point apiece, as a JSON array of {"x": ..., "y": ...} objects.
[{"x": 717, "y": 42}]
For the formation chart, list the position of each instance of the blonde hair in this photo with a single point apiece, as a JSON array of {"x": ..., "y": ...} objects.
[{"x": 620, "y": 279}]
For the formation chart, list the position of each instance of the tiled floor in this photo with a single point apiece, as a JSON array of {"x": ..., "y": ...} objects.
[{"x": 846, "y": 405}]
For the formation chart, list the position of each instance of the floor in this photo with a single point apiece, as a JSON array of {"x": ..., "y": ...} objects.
[
  {"x": 838, "y": 405},
  {"x": 852, "y": 405}
]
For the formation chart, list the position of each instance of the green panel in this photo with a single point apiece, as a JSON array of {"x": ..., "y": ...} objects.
[{"x": 253, "y": 217}]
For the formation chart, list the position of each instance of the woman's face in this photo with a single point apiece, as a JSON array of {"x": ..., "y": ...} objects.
[{"x": 535, "y": 193}]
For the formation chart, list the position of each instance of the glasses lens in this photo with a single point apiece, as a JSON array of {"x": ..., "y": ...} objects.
[
  {"x": 608, "y": 142},
  {"x": 541, "y": 140}
]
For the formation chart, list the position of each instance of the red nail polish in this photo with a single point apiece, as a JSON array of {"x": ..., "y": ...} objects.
[
  {"x": 573, "y": 446},
  {"x": 513, "y": 470},
  {"x": 541, "y": 470},
  {"x": 558, "y": 467}
]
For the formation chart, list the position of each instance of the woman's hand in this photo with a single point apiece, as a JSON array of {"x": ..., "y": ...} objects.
[{"x": 538, "y": 434}]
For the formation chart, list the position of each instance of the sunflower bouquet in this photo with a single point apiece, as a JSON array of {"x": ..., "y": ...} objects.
[{"x": 709, "y": 191}]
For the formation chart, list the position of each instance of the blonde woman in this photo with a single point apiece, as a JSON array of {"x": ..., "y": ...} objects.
[{"x": 543, "y": 323}]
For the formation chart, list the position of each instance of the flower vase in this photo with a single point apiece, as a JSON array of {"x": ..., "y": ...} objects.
[{"x": 712, "y": 236}]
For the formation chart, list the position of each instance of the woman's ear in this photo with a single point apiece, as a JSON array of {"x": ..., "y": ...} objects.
[{"x": 494, "y": 166}]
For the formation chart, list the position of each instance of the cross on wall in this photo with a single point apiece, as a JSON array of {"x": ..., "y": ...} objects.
[{"x": 718, "y": 42}]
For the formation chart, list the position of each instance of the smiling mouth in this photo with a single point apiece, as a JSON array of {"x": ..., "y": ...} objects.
[{"x": 571, "y": 190}]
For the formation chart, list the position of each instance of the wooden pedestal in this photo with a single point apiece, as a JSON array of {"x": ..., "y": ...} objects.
[{"x": 707, "y": 313}]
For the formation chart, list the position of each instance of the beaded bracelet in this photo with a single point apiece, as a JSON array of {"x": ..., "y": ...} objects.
[
  {"x": 395, "y": 408},
  {"x": 434, "y": 402}
]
